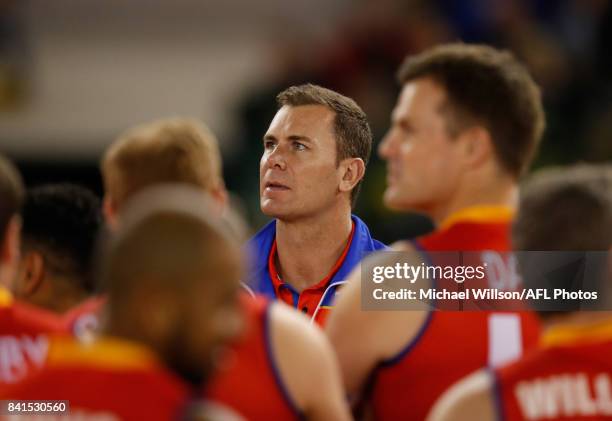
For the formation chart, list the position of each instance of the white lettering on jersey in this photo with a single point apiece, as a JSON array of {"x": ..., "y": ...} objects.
[
  {"x": 18, "y": 353},
  {"x": 565, "y": 396}
]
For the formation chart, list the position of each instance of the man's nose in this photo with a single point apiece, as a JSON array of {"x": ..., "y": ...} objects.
[
  {"x": 276, "y": 159},
  {"x": 385, "y": 145}
]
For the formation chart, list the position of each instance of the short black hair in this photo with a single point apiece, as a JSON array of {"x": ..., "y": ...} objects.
[{"x": 61, "y": 221}]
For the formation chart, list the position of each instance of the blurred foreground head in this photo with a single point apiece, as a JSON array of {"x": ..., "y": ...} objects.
[
  {"x": 11, "y": 199},
  {"x": 566, "y": 210},
  {"x": 172, "y": 274},
  {"x": 174, "y": 150}
]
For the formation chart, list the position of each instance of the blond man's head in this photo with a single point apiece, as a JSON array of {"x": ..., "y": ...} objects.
[{"x": 175, "y": 150}]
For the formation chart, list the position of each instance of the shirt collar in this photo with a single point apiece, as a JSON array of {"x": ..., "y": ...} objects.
[
  {"x": 566, "y": 334},
  {"x": 480, "y": 213},
  {"x": 6, "y": 298},
  {"x": 107, "y": 352},
  {"x": 278, "y": 282}
]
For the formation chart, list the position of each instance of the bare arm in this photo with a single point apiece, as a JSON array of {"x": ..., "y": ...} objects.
[
  {"x": 361, "y": 338},
  {"x": 308, "y": 366},
  {"x": 469, "y": 399}
]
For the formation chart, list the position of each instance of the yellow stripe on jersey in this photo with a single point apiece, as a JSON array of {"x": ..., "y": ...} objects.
[
  {"x": 6, "y": 299},
  {"x": 578, "y": 334},
  {"x": 483, "y": 213},
  {"x": 109, "y": 353}
]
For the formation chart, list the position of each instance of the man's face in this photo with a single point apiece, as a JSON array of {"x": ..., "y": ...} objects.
[
  {"x": 422, "y": 164},
  {"x": 210, "y": 318},
  {"x": 298, "y": 175}
]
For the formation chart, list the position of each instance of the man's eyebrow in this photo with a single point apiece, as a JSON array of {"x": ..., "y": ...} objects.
[
  {"x": 401, "y": 121},
  {"x": 300, "y": 138},
  {"x": 269, "y": 136}
]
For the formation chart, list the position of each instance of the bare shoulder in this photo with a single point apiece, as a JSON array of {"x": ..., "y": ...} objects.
[
  {"x": 291, "y": 326},
  {"x": 403, "y": 245},
  {"x": 468, "y": 399},
  {"x": 305, "y": 359},
  {"x": 299, "y": 345}
]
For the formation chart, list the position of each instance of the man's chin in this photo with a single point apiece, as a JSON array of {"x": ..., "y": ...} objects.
[
  {"x": 395, "y": 201},
  {"x": 274, "y": 210},
  {"x": 392, "y": 200}
]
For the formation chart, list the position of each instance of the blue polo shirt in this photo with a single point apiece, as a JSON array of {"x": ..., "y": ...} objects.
[{"x": 319, "y": 298}]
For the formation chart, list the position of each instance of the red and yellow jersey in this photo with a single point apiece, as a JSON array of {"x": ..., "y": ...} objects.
[
  {"x": 109, "y": 379},
  {"x": 451, "y": 344},
  {"x": 84, "y": 319},
  {"x": 248, "y": 380},
  {"x": 568, "y": 378},
  {"x": 24, "y": 338}
]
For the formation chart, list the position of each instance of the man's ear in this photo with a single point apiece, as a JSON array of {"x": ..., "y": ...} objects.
[
  {"x": 109, "y": 210},
  {"x": 31, "y": 275},
  {"x": 9, "y": 252},
  {"x": 220, "y": 197},
  {"x": 477, "y": 146},
  {"x": 353, "y": 170}
]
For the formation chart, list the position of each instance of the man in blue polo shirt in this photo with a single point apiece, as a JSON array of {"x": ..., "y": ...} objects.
[{"x": 315, "y": 155}]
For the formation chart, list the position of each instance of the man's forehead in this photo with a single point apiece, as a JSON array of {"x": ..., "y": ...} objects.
[
  {"x": 303, "y": 117},
  {"x": 415, "y": 94}
]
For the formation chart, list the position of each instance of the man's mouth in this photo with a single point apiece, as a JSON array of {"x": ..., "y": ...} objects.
[
  {"x": 391, "y": 175},
  {"x": 273, "y": 186}
]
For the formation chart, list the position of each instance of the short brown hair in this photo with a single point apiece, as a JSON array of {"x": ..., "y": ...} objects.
[
  {"x": 176, "y": 150},
  {"x": 489, "y": 87},
  {"x": 11, "y": 193},
  {"x": 566, "y": 209},
  {"x": 351, "y": 128}
]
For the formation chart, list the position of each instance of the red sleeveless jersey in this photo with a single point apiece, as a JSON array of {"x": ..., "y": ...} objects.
[
  {"x": 24, "y": 338},
  {"x": 109, "y": 379},
  {"x": 249, "y": 381},
  {"x": 452, "y": 344},
  {"x": 568, "y": 378}
]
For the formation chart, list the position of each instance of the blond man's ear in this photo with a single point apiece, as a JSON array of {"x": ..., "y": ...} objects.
[
  {"x": 9, "y": 253},
  {"x": 109, "y": 210},
  {"x": 220, "y": 197}
]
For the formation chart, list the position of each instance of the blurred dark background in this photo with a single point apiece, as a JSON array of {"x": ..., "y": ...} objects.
[{"x": 74, "y": 74}]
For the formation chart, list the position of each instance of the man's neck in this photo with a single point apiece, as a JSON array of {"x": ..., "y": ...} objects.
[
  {"x": 307, "y": 250},
  {"x": 64, "y": 296},
  {"x": 493, "y": 194}
]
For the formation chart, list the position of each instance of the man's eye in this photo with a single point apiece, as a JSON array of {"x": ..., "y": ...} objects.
[
  {"x": 268, "y": 145},
  {"x": 299, "y": 146}
]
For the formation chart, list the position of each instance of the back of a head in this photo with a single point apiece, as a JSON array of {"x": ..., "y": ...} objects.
[
  {"x": 168, "y": 238},
  {"x": 565, "y": 212},
  {"x": 175, "y": 150},
  {"x": 61, "y": 221},
  {"x": 566, "y": 209},
  {"x": 172, "y": 273},
  {"x": 351, "y": 128},
  {"x": 11, "y": 193},
  {"x": 489, "y": 88}
]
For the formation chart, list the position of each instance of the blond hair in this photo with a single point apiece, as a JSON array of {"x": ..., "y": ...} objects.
[{"x": 175, "y": 150}]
